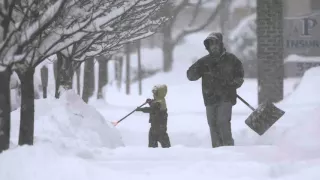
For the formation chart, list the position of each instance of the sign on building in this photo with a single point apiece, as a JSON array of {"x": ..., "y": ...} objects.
[
  {"x": 302, "y": 35},
  {"x": 302, "y": 38}
]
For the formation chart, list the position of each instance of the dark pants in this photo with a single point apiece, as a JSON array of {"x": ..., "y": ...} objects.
[
  {"x": 158, "y": 133},
  {"x": 219, "y": 120}
]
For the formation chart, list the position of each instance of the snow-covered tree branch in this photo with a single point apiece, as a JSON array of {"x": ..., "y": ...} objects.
[
  {"x": 18, "y": 29},
  {"x": 21, "y": 24},
  {"x": 33, "y": 30},
  {"x": 172, "y": 37},
  {"x": 107, "y": 34}
]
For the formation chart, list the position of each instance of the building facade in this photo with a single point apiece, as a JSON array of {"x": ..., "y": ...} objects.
[{"x": 301, "y": 35}]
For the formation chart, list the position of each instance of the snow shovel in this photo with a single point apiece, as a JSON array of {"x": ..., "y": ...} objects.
[
  {"x": 263, "y": 117},
  {"x": 117, "y": 122}
]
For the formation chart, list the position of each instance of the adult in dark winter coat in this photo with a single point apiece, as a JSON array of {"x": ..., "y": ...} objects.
[
  {"x": 221, "y": 73},
  {"x": 158, "y": 117}
]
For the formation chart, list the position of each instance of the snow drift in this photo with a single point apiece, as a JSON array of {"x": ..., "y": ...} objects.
[
  {"x": 302, "y": 138},
  {"x": 299, "y": 128},
  {"x": 70, "y": 123},
  {"x": 307, "y": 92}
]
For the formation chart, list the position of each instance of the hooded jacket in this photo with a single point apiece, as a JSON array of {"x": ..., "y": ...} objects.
[
  {"x": 158, "y": 107},
  {"x": 160, "y": 92},
  {"x": 221, "y": 75},
  {"x": 217, "y": 36}
]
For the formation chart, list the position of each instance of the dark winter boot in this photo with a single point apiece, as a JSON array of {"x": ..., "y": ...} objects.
[
  {"x": 153, "y": 138},
  {"x": 164, "y": 137}
]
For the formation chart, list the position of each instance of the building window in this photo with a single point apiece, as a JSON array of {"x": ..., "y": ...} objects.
[{"x": 315, "y": 5}]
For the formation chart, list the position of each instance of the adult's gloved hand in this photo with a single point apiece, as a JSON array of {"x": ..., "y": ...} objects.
[
  {"x": 237, "y": 82},
  {"x": 208, "y": 68}
]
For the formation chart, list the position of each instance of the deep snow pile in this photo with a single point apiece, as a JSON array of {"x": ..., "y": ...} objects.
[
  {"x": 68, "y": 122},
  {"x": 307, "y": 92},
  {"x": 299, "y": 128},
  {"x": 302, "y": 137}
]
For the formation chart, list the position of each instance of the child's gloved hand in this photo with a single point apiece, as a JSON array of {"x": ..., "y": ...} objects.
[
  {"x": 148, "y": 101},
  {"x": 138, "y": 109}
]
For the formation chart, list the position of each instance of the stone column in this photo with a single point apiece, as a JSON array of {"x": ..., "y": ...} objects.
[{"x": 270, "y": 50}]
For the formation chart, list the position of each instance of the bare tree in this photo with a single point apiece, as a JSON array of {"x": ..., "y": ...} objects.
[
  {"x": 88, "y": 79},
  {"x": 82, "y": 30},
  {"x": 103, "y": 74},
  {"x": 33, "y": 30},
  {"x": 37, "y": 47},
  {"x": 136, "y": 23},
  {"x": 224, "y": 18},
  {"x": 139, "y": 67},
  {"x": 128, "y": 77},
  {"x": 171, "y": 38},
  {"x": 5, "y": 109},
  {"x": 118, "y": 71},
  {"x": 21, "y": 23},
  {"x": 78, "y": 74},
  {"x": 44, "y": 81}
]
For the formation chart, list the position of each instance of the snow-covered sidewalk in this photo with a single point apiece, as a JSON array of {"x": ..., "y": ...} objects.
[
  {"x": 76, "y": 141},
  {"x": 140, "y": 163},
  {"x": 197, "y": 163}
]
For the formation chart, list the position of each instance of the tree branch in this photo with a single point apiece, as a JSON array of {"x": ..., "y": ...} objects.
[
  {"x": 201, "y": 27},
  {"x": 195, "y": 12},
  {"x": 177, "y": 10}
]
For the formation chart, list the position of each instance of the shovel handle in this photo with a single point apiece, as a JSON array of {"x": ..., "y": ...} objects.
[
  {"x": 130, "y": 113},
  {"x": 246, "y": 103}
]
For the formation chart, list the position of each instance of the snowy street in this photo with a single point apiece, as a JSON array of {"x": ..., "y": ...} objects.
[
  {"x": 74, "y": 140},
  {"x": 77, "y": 67},
  {"x": 89, "y": 88},
  {"x": 190, "y": 157}
]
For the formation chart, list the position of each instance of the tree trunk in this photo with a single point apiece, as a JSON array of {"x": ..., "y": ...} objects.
[
  {"x": 27, "y": 107},
  {"x": 78, "y": 73},
  {"x": 119, "y": 71},
  {"x": 139, "y": 67},
  {"x": 224, "y": 21},
  {"x": 103, "y": 76},
  {"x": 127, "y": 68},
  {"x": 5, "y": 109},
  {"x": 65, "y": 76},
  {"x": 56, "y": 67},
  {"x": 88, "y": 80},
  {"x": 167, "y": 49},
  {"x": 44, "y": 80}
]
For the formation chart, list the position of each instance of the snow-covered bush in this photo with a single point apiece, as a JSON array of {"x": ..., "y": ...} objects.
[{"x": 243, "y": 39}]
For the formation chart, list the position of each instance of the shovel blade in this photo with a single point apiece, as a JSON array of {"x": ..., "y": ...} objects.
[{"x": 264, "y": 117}]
